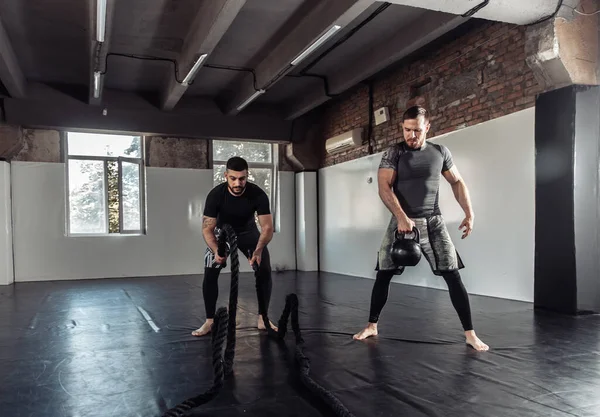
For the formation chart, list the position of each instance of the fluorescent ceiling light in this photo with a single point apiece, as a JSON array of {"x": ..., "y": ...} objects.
[
  {"x": 250, "y": 99},
  {"x": 97, "y": 76},
  {"x": 100, "y": 20},
  {"x": 316, "y": 44},
  {"x": 190, "y": 75}
]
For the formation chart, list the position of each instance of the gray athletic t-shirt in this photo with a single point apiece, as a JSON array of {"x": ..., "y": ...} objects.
[{"x": 418, "y": 173}]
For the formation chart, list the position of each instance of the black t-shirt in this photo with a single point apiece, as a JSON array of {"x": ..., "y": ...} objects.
[
  {"x": 237, "y": 211},
  {"x": 418, "y": 174}
]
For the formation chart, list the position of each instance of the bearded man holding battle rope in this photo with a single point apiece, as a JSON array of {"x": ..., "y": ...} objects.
[{"x": 236, "y": 202}]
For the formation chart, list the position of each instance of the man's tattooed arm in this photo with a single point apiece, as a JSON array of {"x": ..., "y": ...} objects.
[{"x": 208, "y": 231}]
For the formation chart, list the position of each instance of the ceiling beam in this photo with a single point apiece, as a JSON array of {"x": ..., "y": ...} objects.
[
  {"x": 10, "y": 72},
  {"x": 198, "y": 120},
  {"x": 98, "y": 50},
  {"x": 210, "y": 24},
  {"x": 407, "y": 40},
  {"x": 303, "y": 31}
]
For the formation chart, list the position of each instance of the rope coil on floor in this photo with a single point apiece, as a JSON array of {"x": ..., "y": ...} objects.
[{"x": 223, "y": 363}]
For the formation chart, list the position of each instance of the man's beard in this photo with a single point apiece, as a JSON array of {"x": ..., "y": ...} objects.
[
  {"x": 414, "y": 143},
  {"x": 237, "y": 190}
]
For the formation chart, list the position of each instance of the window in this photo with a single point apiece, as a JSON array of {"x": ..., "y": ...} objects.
[
  {"x": 262, "y": 161},
  {"x": 105, "y": 183}
]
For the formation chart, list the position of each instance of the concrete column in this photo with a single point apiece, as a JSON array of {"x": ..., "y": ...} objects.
[
  {"x": 565, "y": 50},
  {"x": 567, "y": 241},
  {"x": 307, "y": 242}
]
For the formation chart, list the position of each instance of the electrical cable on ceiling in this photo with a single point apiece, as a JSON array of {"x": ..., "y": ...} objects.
[
  {"x": 321, "y": 77},
  {"x": 234, "y": 68},
  {"x": 476, "y": 9},
  {"x": 486, "y": 2},
  {"x": 325, "y": 83},
  {"x": 229, "y": 67},
  {"x": 175, "y": 63},
  {"x": 144, "y": 58},
  {"x": 250, "y": 70},
  {"x": 544, "y": 19}
]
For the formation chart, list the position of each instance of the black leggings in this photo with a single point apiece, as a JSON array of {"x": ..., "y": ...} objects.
[
  {"x": 210, "y": 286},
  {"x": 458, "y": 296}
]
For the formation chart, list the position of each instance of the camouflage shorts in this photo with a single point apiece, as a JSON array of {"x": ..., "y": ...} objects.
[{"x": 435, "y": 241}]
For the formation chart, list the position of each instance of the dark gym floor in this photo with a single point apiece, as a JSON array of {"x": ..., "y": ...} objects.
[{"x": 122, "y": 347}]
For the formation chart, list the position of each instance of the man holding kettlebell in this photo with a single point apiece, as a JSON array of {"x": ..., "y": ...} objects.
[{"x": 409, "y": 177}]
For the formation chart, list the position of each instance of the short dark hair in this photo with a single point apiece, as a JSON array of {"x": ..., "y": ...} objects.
[
  {"x": 414, "y": 112},
  {"x": 237, "y": 163}
]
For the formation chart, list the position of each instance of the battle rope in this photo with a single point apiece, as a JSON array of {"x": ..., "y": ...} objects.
[
  {"x": 291, "y": 306},
  {"x": 218, "y": 340},
  {"x": 223, "y": 364}
]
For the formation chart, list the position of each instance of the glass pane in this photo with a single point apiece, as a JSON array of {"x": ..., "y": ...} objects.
[
  {"x": 132, "y": 218},
  {"x": 93, "y": 144},
  {"x": 262, "y": 178},
  {"x": 218, "y": 171},
  {"x": 113, "y": 196},
  {"x": 87, "y": 196},
  {"x": 250, "y": 151}
]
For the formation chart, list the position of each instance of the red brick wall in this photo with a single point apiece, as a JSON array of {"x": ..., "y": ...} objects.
[{"x": 479, "y": 76}]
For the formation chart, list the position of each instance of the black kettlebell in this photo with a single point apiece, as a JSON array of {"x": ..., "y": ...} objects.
[{"x": 406, "y": 252}]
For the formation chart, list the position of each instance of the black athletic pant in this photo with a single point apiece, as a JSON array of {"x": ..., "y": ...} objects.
[
  {"x": 458, "y": 296},
  {"x": 210, "y": 287}
]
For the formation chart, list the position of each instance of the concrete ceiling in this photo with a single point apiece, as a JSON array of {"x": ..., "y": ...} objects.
[
  {"x": 519, "y": 12},
  {"x": 250, "y": 44}
]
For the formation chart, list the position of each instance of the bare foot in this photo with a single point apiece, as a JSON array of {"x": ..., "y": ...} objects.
[
  {"x": 205, "y": 329},
  {"x": 261, "y": 324},
  {"x": 370, "y": 330},
  {"x": 475, "y": 342}
]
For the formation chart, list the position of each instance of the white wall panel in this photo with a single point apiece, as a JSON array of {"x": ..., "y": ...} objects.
[
  {"x": 6, "y": 251},
  {"x": 173, "y": 245},
  {"x": 307, "y": 244}
]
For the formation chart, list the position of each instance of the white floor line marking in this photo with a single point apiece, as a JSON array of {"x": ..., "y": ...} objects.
[{"x": 149, "y": 319}]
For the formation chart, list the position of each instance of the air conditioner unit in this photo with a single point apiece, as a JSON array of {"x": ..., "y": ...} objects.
[{"x": 345, "y": 141}]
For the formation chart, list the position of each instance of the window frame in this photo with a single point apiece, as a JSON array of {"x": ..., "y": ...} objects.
[
  {"x": 106, "y": 159},
  {"x": 273, "y": 166}
]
